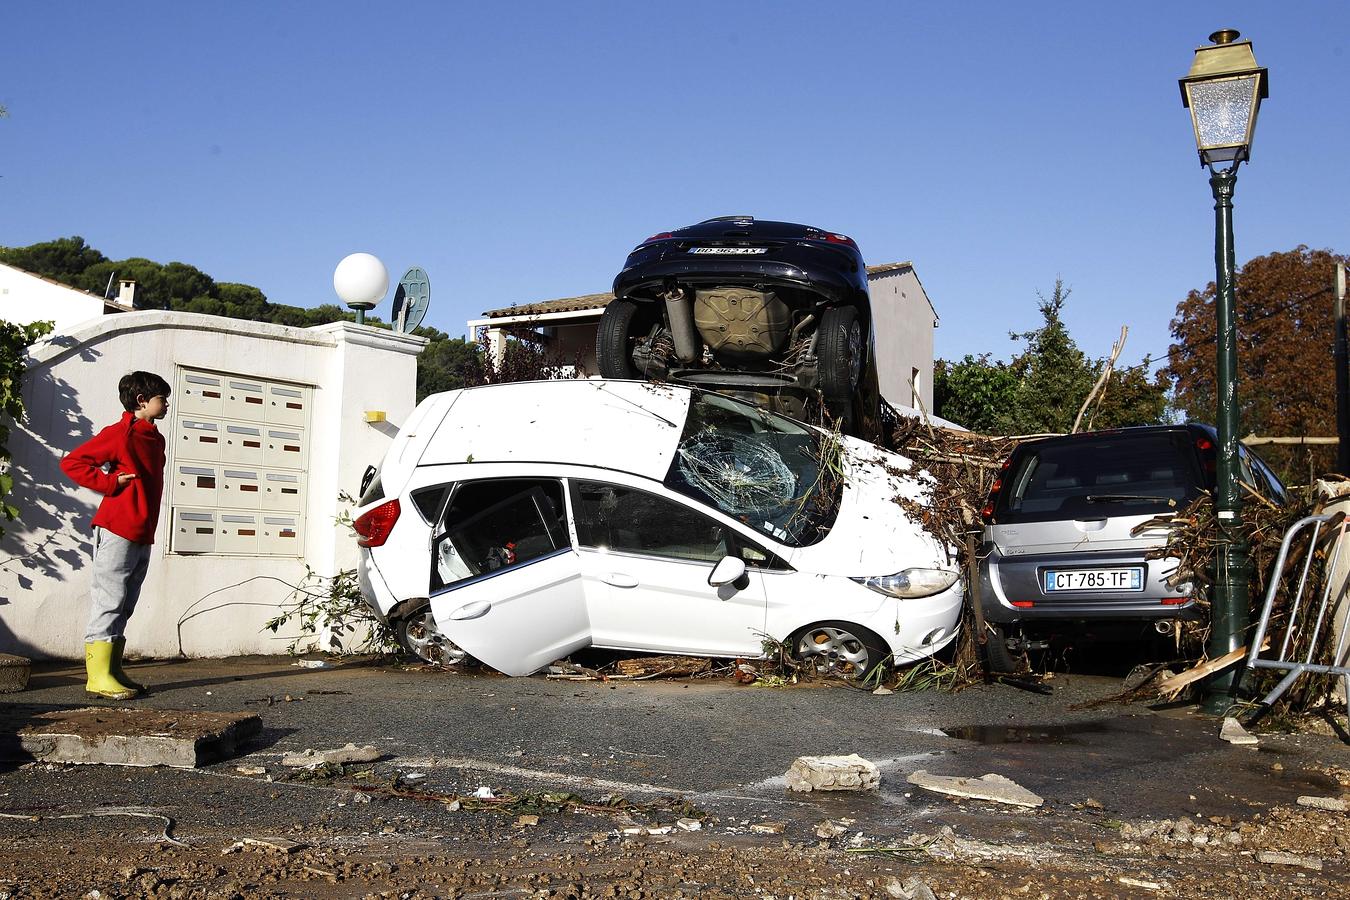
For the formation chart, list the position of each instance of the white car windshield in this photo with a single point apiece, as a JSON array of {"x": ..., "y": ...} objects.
[{"x": 777, "y": 476}]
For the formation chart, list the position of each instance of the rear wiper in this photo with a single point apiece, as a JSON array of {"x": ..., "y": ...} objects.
[{"x": 1125, "y": 498}]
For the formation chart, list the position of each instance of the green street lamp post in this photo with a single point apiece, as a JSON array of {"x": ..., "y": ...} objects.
[{"x": 1223, "y": 91}]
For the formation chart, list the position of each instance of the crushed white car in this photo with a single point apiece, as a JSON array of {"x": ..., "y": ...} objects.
[{"x": 517, "y": 523}]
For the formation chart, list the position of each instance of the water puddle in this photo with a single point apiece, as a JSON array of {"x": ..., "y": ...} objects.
[{"x": 1025, "y": 734}]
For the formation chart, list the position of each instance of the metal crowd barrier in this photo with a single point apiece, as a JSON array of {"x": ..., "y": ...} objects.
[{"x": 1297, "y": 667}]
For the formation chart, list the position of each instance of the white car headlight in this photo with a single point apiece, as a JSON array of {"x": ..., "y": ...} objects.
[{"x": 911, "y": 583}]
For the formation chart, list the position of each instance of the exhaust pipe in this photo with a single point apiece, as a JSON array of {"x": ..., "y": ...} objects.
[
  {"x": 1164, "y": 626},
  {"x": 680, "y": 312}
]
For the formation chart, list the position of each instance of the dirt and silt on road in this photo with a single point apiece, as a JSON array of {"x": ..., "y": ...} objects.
[{"x": 594, "y": 789}]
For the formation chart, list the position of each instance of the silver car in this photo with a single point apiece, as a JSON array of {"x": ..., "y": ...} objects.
[{"x": 1061, "y": 552}]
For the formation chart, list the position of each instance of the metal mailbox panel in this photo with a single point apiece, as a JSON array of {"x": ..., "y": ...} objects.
[
  {"x": 240, "y": 488},
  {"x": 201, "y": 394},
  {"x": 287, "y": 405},
  {"x": 195, "y": 484},
  {"x": 284, "y": 448},
  {"x": 198, "y": 439},
  {"x": 281, "y": 492},
  {"x": 242, "y": 444},
  {"x": 194, "y": 531},
  {"x": 281, "y": 536},
  {"x": 244, "y": 399},
  {"x": 239, "y": 533}
]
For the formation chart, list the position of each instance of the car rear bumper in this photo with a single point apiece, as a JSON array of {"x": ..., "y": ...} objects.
[
  {"x": 645, "y": 280},
  {"x": 1005, "y": 581},
  {"x": 373, "y": 587}
]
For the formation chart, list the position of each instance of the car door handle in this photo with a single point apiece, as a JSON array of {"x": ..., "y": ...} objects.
[
  {"x": 471, "y": 610},
  {"x": 618, "y": 579}
]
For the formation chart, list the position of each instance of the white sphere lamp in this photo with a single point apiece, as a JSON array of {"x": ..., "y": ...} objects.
[{"x": 361, "y": 281}]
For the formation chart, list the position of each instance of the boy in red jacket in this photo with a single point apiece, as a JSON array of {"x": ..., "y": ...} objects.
[{"x": 125, "y": 463}]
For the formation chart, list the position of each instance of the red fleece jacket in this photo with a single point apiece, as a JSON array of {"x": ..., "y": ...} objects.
[{"x": 132, "y": 445}]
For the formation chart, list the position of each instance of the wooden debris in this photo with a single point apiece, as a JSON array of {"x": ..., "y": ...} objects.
[
  {"x": 662, "y": 666},
  {"x": 1172, "y": 686}
]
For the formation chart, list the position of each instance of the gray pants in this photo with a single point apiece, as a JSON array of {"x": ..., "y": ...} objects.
[{"x": 119, "y": 571}]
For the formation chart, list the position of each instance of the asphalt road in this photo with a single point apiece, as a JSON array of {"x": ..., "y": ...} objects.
[{"x": 715, "y": 743}]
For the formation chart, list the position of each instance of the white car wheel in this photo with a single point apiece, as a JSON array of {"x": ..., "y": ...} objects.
[
  {"x": 420, "y": 636},
  {"x": 839, "y": 649}
]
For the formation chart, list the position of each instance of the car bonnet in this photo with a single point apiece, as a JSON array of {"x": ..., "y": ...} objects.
[{"x": 874, "y": 534}]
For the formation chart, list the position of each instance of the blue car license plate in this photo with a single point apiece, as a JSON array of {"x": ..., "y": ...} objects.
[{"x": 1128, "y": 578}]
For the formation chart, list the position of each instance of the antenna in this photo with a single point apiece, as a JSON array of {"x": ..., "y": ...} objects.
[{"x": 107, "y": 290}]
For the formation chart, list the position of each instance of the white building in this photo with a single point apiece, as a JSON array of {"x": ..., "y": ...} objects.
[
  {"x": 267, "y": 425},
  {"x": 26, "y": 298},
  {"x": 904, "y": 320}
]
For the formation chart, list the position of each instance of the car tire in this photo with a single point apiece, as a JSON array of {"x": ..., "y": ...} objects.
[
  {"x": 419, "y": 635},
  {"x": 620, "y": 324},
  {"x": 839, "y": 648},
  {"x": 997, "y": 656},
  {"x": 840, "y": 356}
]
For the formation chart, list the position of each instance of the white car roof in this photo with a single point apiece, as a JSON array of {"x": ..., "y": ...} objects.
[{"x": 631, "y": 426}]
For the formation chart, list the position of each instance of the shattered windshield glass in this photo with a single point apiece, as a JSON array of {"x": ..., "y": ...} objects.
[{"x": 777, "y": 476}]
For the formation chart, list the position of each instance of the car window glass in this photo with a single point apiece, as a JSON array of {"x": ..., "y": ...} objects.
[
  {"x": 777, "y": 476},
  {"x": 628, "y": 520},
  {"x": 496, "y": 524},
  {"x": 1100, "y": 476}
]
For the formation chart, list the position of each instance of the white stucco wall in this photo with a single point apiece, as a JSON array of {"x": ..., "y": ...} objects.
[
  {"x": 904, "y": 323},
  {"x": 203, "y": 605},
  {"x": 26, "y": 298}
]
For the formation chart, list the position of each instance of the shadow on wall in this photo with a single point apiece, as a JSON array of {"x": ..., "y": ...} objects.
[{"x": 51, "y": 538}]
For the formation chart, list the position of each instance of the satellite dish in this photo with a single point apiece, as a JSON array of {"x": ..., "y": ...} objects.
[{"x": 411, "y": 300}]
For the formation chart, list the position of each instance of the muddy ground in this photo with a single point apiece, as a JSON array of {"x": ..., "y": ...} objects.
[{"x": 595, "y": 784}]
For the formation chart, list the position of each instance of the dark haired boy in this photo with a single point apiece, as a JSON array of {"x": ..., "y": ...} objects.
[{"x": 125, "y": 463}]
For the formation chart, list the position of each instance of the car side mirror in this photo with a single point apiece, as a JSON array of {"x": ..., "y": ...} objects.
[{"x": 729, "y": 570}]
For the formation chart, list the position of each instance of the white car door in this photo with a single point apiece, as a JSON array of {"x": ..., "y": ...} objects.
[
  {"x": 646, "y": 560},
  {"x": 506, "y": 584}
]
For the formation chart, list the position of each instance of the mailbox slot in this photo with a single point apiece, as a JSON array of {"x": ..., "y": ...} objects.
[
  {"x": 287, "y": 405},
  {"x": 240, "y": 488},
  {"x": 284, "y": 449},
  {"x": 281, "y": 491},
  {"x": 199, "y": 440},
  {"x": 201, "y": 394},
  {"x": 195, "y": 484},
  {"x": 244, "y": 400},
  {"x": 243, "y": 444},
  {"x": 194, "y": 531},
  {"x": 239, "y": 533},
  {"x": 281, "y": 536}
]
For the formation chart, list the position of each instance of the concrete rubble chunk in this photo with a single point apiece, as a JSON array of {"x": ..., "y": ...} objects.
[
  {"x": 989, "y": 787},
  {"x": 1279, "y": 858},
  {"x": 348, "y": 754},
  {"x": 833, "y": 773},
  {"x": 14, "y": 672},
  {"x": 1233, "y": 732},
  {"x": 111, "y": 736},
  {"x": 1330, "y": 804}
]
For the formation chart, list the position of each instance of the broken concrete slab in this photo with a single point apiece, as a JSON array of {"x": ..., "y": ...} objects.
[
  {"x": 989, "y": 787},
  {"x": 1233, "y": 732},
  {"x": 183, "y": 739},
  {"x": 1280, "y": 858},
  {"x": 833, "y": 773},
  {"x": 1330, "y": 804},
  {"x": 14, "y": 672},
  {"x": 342, "y": 755}
]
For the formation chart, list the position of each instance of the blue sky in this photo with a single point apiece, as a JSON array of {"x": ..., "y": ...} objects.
[{"x": 517, "y": 151}]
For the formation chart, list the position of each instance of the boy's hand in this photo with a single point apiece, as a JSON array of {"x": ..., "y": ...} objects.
[{"x": 124, "y": 477}]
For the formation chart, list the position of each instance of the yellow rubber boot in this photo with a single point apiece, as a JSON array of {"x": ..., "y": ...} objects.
[
  {"x": 101, "y": 683},
  {"x": 115, "y": 667}
]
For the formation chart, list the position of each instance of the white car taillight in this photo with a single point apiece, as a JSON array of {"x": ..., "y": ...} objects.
[{"x": 911, "y": 583}]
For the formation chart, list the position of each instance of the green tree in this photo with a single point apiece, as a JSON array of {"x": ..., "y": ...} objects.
[
  {"x": 14, "y": 341},
  {"x": 1053, "y": 375},
  {"x": 64, "y": 259},
  {"x": 448, "y": 363},
  {"x": 974, "y": 392}
]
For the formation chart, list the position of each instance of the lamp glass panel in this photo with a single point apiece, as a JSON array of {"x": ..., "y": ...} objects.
[{"x": 1222, "y": 110}]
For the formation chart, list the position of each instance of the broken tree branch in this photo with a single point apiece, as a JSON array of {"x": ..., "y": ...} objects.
[{"x": 1101, "y": 380}]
